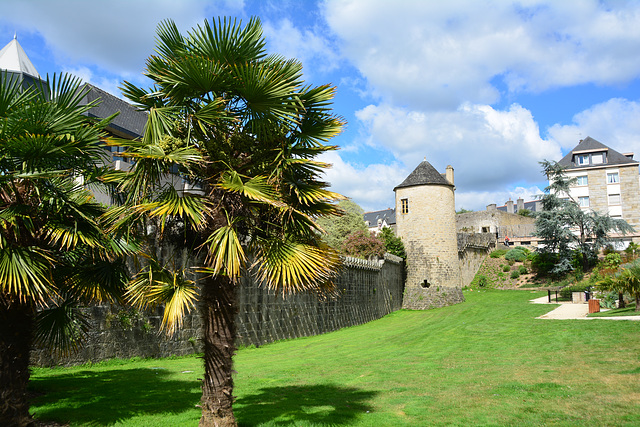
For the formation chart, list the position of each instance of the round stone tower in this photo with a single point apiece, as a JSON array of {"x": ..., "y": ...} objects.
[{"x": 426, "y": 222}]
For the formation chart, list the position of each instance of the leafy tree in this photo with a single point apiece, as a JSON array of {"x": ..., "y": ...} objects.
[
  {"x": 463, "y": 210},
  {"x": 392, "y": 243},
  {"x": 568, "y": 232},
  {"x": 55, "y": 253},
  {"x": 363, "y": 244},
  {"x": 242, "y": 129},
  {"x": 338, "y": 228}
]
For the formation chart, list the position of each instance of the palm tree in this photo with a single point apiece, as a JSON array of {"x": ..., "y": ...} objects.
[
  {"x": 54, "y": 252},
  {"x": 241, "y": 130}
]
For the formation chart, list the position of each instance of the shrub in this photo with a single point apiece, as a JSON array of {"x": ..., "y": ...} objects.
[
  {"x": 363, "y": 244},
  {"x": 480, "y": 280},
  {"x": 515, "y": 274},
  {"x": 522, "y": 269},
  {"x": 498, "y": 253},
  {"x": 515, "y": 255},
  {"x": 506, "y": 268}
]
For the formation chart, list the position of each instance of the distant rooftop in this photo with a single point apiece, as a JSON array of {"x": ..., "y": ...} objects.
[{"x": 583, "y": 156}]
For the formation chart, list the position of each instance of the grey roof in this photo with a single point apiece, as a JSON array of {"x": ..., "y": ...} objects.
[
  {"x": 591, "y": 145},
  {"x": 424, "y": 174},
  {"x": 388, "y": 215},
  {"x": 129, "y": 123}
]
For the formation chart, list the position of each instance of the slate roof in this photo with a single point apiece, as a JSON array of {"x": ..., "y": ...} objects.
[
  {"x": 388, "y": 215},
  {"x": 591, "y": 145},
  {"x": 129, "y": 123},
  {"x": 424, "y": 174}
]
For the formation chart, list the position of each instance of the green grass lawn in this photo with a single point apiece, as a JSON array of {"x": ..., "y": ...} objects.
[
  {"x": 629, "y": 310},
  {"x": 487, "y": 361}
]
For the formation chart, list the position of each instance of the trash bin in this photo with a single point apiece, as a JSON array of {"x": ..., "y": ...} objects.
[{"x": 594, "y": 306}]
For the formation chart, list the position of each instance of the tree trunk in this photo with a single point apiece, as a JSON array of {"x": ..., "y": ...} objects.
[
  {"x": 219, "y": 315},
  {"x": 621, "y": 303},
  {"x": 16, "y": 332},
  {"x": 637, "y": 303}
]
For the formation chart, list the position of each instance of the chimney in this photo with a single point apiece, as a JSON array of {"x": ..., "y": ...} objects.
[
  {"x": 520, "y": 203},
  {"x": 510, "y": 206},
  {"x": 491, "y": 207},
  {"x": 449, "y": 174}
]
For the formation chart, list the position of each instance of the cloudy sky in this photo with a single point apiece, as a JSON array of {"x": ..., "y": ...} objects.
[{"x": 491, "y": 87}]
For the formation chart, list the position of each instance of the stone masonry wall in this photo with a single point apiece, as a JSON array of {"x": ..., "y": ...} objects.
[
  {"x": 428, "y": 232},
  {"x": 473, "y": 249},
  {"x": 630, "y": 188},
  {"x": 368, "y": 290}
]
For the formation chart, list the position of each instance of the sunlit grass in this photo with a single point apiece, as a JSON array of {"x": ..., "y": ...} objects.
[{"x": 487, "y": 361}]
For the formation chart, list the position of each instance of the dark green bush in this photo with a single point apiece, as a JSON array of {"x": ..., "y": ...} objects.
[
  {"x": 506, "y": 268},
  {"x": 515, "y": 255},
  {"x": 522, "y": 269},
  {"x": 498, "y": 253},
  {"x": 515, "y": 274}
]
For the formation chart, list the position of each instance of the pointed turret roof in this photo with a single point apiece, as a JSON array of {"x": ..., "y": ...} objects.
[
  {"x": 424, "y": 174},
  {"x": 13, "y": 58},
  {"x": 590, "y": 145}
]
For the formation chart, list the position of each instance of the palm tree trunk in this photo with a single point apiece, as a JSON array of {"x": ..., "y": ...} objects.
[
  {"x": 16, "y": 332},
  {"x": 637, "y": 302},
  {"x": 219, "y": 314}
]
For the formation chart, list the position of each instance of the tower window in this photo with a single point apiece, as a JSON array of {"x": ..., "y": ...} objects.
[{"x": 405, "y": 205}]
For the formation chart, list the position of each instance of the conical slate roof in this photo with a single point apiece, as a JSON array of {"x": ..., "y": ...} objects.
[
  {"x": 13, "y": 58},
  {"x": 424, "y": 174},
  {"x": 588, "y": 145}
]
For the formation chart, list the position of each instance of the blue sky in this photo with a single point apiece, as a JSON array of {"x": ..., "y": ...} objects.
[{"x": 491, "y": 88}]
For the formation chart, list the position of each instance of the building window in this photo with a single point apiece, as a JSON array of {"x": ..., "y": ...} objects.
[
  {"x": 582, "y": 159},
  {"x": 597, "y": 159},
  {"x": 613, "y": 178},
  {"x": 584, "y": 201},
  {"x": 405, "y": 205},
  {"x": 614, "y": 199},
  {"x": 583, "y": 180}
]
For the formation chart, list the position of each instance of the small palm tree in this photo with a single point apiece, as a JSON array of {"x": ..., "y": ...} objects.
[
  {"x": 54, "y": 252},
  {"x": 241, "y": 131}
]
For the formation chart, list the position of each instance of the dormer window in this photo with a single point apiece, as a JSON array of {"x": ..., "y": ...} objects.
[
  {"x": 597, "y": 159},
  {"x": 582, "y": 159}
]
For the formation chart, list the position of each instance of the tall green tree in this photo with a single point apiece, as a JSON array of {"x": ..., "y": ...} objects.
[
  {"x": 55, "y": 253},
  {"x": 392, "y": 243},
  {"x": 337, "y": 229},
  {"x": 242, "y": 130},
  {"x": 568, "y": 232}
]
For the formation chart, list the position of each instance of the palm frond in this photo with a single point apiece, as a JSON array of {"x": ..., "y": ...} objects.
[
  {"x": 225, "y": 254},
  {"x": 26, "y": 273},
  {"x": 62, "y": 327},
  {"x": 289, "y": 266}
]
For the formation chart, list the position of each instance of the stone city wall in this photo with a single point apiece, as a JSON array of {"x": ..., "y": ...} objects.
[{"x": 368, "y": 290}]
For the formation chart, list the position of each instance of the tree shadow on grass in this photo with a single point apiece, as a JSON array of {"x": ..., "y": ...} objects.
[
  {"x": 102, "y": 398},
  {"x": 317, "y": 404}
]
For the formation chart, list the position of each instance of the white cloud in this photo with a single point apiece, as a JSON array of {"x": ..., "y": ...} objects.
[
  {"x": 427, "y": 54},
  {"x": 371, "y": 187},
  {"x": 314, "y": 51},
  {"x": 488, "y": 148},
  {"x": 117, "y": 35},
  {"x": 478, "y": 200},
  {"x": 615, "y": 123}
]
